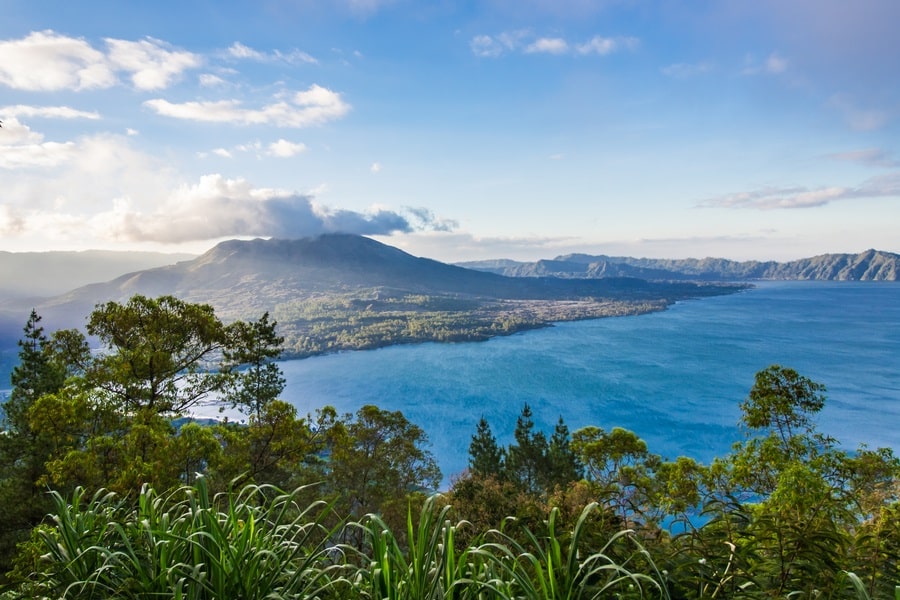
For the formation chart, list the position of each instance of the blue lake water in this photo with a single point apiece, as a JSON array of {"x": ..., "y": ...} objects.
[{"x": 674, "y": 377}]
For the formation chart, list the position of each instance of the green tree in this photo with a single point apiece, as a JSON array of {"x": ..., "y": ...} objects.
[
  {"x": 486, "y": 457},
  {"x": 160, "y": 353},
  {"x": 621, "y": 466},
  {"x": 378, "y": 457},
  {"x": 23, "y": 452},
  {"x": 258, "y": 379},
  {"x": 275, "y": 448},
  {"x": 562, "y": 465},
  {"x": 110, "y": 425},
  {"x": 782, "y": 402},
  {"x": 526, "y": 459},
  {"x": 37, "y": 373}
]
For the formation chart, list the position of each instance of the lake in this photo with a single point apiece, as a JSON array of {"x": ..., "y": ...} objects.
[{"x": 674, "y": 377}]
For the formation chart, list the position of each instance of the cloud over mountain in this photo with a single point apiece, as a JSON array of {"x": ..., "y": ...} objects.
[{"x": 217, "y": 207}]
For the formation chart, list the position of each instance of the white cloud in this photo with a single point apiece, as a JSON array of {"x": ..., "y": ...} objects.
[
  {"x": 525, "y": 41},
  {"x": 222, "y": 152},
  {"x": 314, "y": 106},
  {"x": 547, "y": 46},
  {"x": 20, "y": 147},
  {"x": 285, "y": 149},
  {"x": 217, "y": 207},
  {"x": 210, "y": 80},
  {"x": 49, "y": 112},
  {"x": 47, "y": 61},
  {"x": 603, "y": 45},
  {"x": 240, "y": 51},
  {"x": 131, "y": 132},
  {"x": 376, "y": 167},
  {"x": 800, "y": 197},
  {"x": 151, "y": 62},
  {"x": 486, "y": 46},
  {"x": 11, "y": 223},
  {"x": 73, "y": 178}
]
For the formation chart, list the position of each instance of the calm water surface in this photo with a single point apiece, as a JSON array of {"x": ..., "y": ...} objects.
[{"x": 674, "y": 377}]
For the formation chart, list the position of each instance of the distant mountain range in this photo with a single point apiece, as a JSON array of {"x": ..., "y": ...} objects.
[{"x": 871, "y": 265}]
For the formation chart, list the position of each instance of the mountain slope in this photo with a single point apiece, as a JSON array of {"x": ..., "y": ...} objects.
[{"x": 340, "y": 284}]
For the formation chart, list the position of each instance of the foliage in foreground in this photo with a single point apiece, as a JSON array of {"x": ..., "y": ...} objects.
[
  {"x": 261, "y": 543},
  {"x": 788, "y": 513}
]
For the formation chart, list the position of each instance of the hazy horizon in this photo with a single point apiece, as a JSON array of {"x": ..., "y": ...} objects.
[{"x": 747, "y": 130}]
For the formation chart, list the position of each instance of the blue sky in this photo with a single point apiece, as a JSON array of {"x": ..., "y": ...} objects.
[{"x": 456, "y": 130}]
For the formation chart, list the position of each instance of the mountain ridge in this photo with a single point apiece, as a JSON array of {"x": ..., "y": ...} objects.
[{"x": 869, "y": 265}]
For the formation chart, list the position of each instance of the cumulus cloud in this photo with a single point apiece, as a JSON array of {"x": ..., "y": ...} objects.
[
  {"x": 211, "y": 208},
  {"x": 45, "y": 61},
  {"x": 526, "y": 42},
  {"x": 376, "y": 167},
  {"x": 313, "y": 106},
  {"x": 218, "y": 207},
  {"x": 239, "y": 51},
  {"x": 285, "y": 149},
  {"x": 48, "y": 112},
  {"x": 20, "y": 147},
  {"x": 547, "y": 46},
  {"x": 48, "y": 61},
  {"x": 151, "y": 63},
  {"x": 769, "y": 198}
]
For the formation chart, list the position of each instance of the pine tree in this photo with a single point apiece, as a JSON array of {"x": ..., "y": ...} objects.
[
  {"x": 36, "y": 374},
  {"x": 526, "y": 458},
  {"x": 486, "y": 458},
  {"x": 22, "y": 454},
  {"x": 563, "y": 465},
  {"x": 256, "y": 347}
]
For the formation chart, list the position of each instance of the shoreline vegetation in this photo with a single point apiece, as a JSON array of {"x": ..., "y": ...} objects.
[{"x": 331, "y": 324}]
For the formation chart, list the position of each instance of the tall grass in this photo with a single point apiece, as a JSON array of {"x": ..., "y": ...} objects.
[
  {"x": 260, "y": 543},
  {"x": 553, "y": 565},
  {"x": 558, "y": 566},
  {"x": 253, "y": 544}
]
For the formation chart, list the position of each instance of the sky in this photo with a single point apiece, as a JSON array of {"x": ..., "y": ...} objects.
[{"x": 523, "y": 129}]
